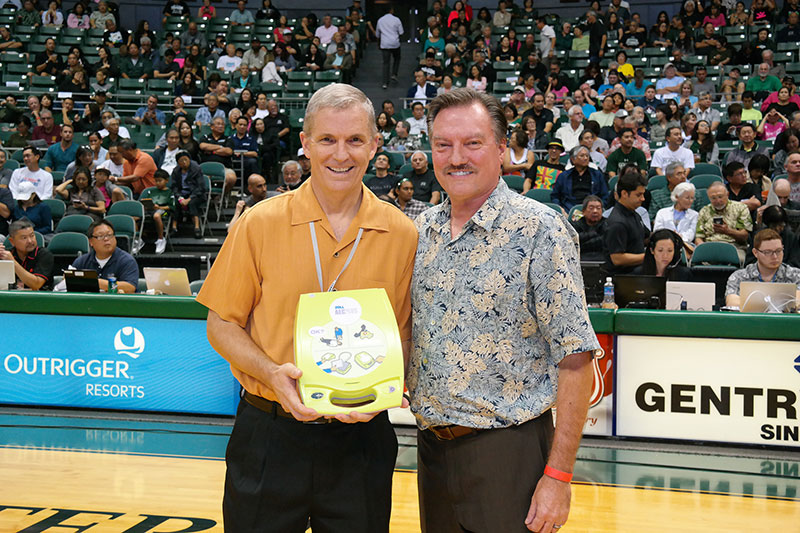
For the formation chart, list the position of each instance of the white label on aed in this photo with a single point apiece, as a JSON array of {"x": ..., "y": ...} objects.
[{"x": 345, "y": 310}]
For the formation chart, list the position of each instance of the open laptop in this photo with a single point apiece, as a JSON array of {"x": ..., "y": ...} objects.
[
  {"x": 640, "y": 292},
  {"x": 172, "y": 281},
  {"x": 7, "y": 275},
  {"x": 593, "y": 280},
  {"x": 81, "y": 281},
  {"x": 759, "y": 297},
  {"x": 698, "y": 296}
]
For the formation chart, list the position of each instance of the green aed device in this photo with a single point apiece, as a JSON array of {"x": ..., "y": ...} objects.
[{"x": 348, "y": 346}]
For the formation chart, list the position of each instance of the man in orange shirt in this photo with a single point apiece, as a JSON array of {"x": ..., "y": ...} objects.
[
  {"x": 138, "y": 168},
  {"x": 285, "y": 463}
]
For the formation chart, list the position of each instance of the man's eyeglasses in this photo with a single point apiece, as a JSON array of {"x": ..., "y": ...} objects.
[
  {"x": 771, "y": 253},
  {"x": 103, "y": 237}
]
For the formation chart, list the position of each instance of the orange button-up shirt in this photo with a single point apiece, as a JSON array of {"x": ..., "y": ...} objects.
[
  {"x": 267, "y": 262},
  {"x": 142, "y": 166}
]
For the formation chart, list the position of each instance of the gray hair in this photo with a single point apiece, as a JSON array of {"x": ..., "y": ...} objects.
[
  {"x": 144, "y": 40},
  {"x": 703, "y": 94},
  {"x": 670, "y": 169},
  {"x": 19, "y": 225},
  {"x": 339, "y": 96},
  {"x": 464, "y": 97},
  {"x": 573, "y": 109},
  {"x": 681, "y": 189},
  {"x": 796, "y": 115},
  {"x": 767, "y": 53},
  {"x": 234, "y": 110},
  {"x": 577, "y": 150},
  {"x": 290, "y": 163},
  {"x": 450, "y": 47}
]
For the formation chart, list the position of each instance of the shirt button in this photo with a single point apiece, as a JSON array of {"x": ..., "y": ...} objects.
[
  {"x": 336, "y": 254},
  {"x": 433, "y": 322}
]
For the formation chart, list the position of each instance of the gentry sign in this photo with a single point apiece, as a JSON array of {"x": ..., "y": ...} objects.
[
  {"x": 113, "y": 363},
  {"x": 726, "y": 390}
]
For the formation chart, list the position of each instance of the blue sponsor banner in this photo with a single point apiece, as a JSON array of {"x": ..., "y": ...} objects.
[{"x": 145, "y": 364}]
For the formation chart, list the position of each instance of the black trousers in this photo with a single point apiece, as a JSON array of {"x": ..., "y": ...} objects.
[
  {"x": 390, "y": 54},
  {"x": 481, "y": 483},
  {"x": 281, "y": 472}
]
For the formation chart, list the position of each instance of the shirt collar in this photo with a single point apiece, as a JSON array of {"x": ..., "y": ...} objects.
[
  {"x": 306, "y": 208},
  {"x": 484, "y": 217}
]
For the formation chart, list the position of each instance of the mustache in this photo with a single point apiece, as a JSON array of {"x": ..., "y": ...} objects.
[{"x": 461, "y": 168}]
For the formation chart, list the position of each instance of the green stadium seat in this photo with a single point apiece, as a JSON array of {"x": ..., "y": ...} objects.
[
  {"x": 704, "y": 181},
  {"x": 514, "y": 182},
  {"x": 76, "y": 223},
  {"x": 69, "y": 243},
  {"x": 540, "y": 195},
  {"x": 715, "y": 255}
]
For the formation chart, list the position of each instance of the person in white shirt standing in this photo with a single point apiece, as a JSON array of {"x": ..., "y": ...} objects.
[
  {"x": 41, "y": 179},
  {"x": 548, "y": 43},
  {"x": 388, "y": 31}
]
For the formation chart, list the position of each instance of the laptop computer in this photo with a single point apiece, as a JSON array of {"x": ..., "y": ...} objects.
[
  {"x": 172, "y": 281},
  {"x": 759, "y": 297},
  {"x": 640, "y": 292},
  {"x": 698, "y": 296},
  {"x": 81, "y": 281},
  {"x": 7, "y": 275}
]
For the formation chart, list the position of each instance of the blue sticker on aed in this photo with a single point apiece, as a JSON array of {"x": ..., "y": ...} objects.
[{"x": 316, "y": 395}]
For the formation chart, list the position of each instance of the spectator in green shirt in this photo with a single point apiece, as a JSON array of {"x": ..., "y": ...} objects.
[
  {"x": 625, "y": 154},
  {"x": 28, "y": 16},
  {"x": 763, "y": 84},
  {"x": 135, "y": 66},
  {"x": 163, "y": 204}
]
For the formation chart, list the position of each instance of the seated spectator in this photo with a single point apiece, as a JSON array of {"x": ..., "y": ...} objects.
[
  {"x": 625, "y": 233},
  {"x": 285, "y": 62},
  {"x": 229, "y": 62},
  {"x": 662, "y": 257},
  {"x": 5, "y": 172},
  {"x": 591, "y": 228},
  {"x": 113, "y": 132},
  {"x": 625, "y": 153},
  {"x": 773, "y": 124},
  {"x": 277, "y": 124},
  {"x": 748, "y": 147},
  {"x": 61, "y": 154},
  {"x": 163, "y": 204},
  {"x": 114, "y": 163},
  {"x": 150, "y": 114},
  {"x": 48, "y": 131},
  {"x": 313, "y": 59},
  {"x": 8, "y": 41},
  {"x": 134, "y": 66},
  {"x": 165, "y": 157},
  {"x": 167, "y": 68},
  {"x": 245, "y": 147},
  {"x": 189, "y": 189},
  {"x": 138, "y": 167},
  {"x": 739, "y": 189},
  {"x": 291, "y": 177},
  {"x": 108, "y": 260},
  {"x": 421, "y": 91},
  {"x": 590, "y": 141},
  {"x": 785, "y": 99},
  {"x": 575, "y": 184},
  {"x": 111, "y": 193},
  {"x": 218, "y": 148},
  {"x": 768, "y": 250},
  {"x": 403, "y": 198},
  {"x": 570, "y": 132},
  {"x": 668, "y": 86},
  {"x": 30, "y": 172},
  {"x": 679, "y": 217},
  {"x": 763, "y": 84},
  {"x": 48, "y": 62},
  {"x": 781, "y": 190},
  {"x": 81, "y": 197},
  {"x": 257, "y": 187},
  {"x": 29, "y": 206},
  {"x": 517, "y": 159},
  {"x": 210, "y": 112},
  {"x": 383, "y": 180},
  {"x": 402, "y": 141},
  {"x": 604, "y": 117},
  {"x": 544, "y": 172},
  {"x": 631, "y": 122},
  {"x": 241, "y": 16},
  {"x": 114, "y": 37},
  {"x": 758, "y": 169},
  {"x": 426, "y": 186},
  {"x": 191, "y": 36},
  {"x": 417, "y": 121},
  {"x": 724, "y": 220},
  {"x": 33, "y": 266},
  {"x": 650, "y": 101},
  {"x": 22, "y": 136},
  {"x": 776, "y": 218},
  {"x": 673, "y": 151}
]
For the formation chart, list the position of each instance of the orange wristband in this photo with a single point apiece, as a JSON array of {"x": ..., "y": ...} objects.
[{"x": 558, "y": 475}]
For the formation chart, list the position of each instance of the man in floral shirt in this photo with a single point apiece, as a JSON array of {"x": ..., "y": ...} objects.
[{"x": 500, "y": 324}]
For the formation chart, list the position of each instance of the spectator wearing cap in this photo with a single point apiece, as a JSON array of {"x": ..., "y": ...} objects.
[
  {"x": 256, "y": 56},
  {"x": 517, "y": 97},
  {"x": 545, "y": 172},
  {"x": 41, "y": 180},
  {"x": 305, "y": 164},
  {"x": 30, "y": 206},
  {"x": 433, "y": 72},
  {"x": 578, "y": 182},
  {"x": 189, "y": 189},
  {"x": 787, "y": 82},
  {"x": 722, "y": 54},
  {"x": 668, "y": 86},
  {"x": 569, "y": 133},
  {"x": 33, "y": 266}
]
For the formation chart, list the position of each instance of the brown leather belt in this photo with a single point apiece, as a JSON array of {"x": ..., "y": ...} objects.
[
  {"x": 274, "y": 408},
  {"x": 453, "y": 432}
]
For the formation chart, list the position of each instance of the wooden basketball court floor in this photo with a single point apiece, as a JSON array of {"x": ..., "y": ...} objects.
[{"x": 103, "y": 473}]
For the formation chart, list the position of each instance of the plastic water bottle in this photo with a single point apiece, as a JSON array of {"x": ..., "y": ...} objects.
[
  {"x": 608, "y": 292},
  {"x": 112, "y": 285}
]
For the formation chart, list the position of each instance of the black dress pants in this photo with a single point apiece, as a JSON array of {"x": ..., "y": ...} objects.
[
  {"x": 281, "y": 473},
  {"x": 482, "y": 483}
]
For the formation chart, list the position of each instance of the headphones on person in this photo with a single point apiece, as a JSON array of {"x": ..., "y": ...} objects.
[{"x": 677, "y": 243}]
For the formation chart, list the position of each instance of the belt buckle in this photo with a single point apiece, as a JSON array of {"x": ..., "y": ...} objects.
[
  {"x": 318, "y": 421},
  {"x": 444, "y": 433}
]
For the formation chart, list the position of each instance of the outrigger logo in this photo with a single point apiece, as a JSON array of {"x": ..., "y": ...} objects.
[
  {"x": 126, "y": 335},
  {"x": 797, "y": 363}
]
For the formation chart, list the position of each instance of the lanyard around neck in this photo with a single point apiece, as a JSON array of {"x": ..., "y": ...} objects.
[{"x": 318, "y": 263}]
